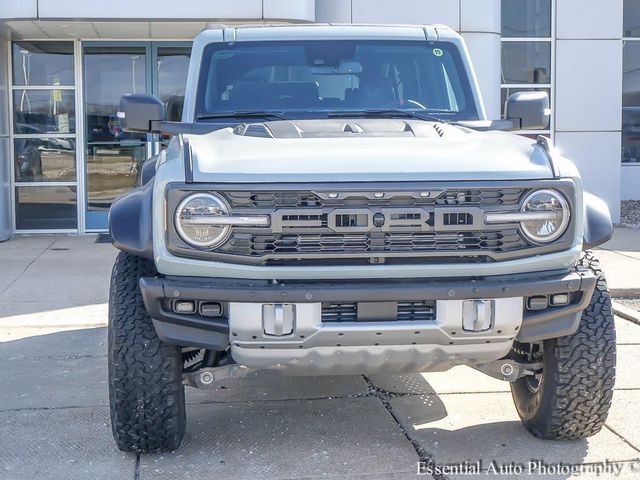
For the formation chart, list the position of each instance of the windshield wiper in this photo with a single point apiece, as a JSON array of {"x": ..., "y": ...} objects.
[
  {"x": 242, "y": 114},
  {"x": 385, "y": 113}
]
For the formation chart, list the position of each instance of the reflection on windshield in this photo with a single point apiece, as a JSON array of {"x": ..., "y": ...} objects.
[{"x": 334, "y": 76}]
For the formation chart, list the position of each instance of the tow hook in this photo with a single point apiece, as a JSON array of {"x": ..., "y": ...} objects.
[
  {"x": 509, "y": 370},
  {"x": 205, "y": 378}
]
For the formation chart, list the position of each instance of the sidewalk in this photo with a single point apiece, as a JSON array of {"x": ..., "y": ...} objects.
[
  {"x": 55, "y": 417},
  {"x": 620, "y": 260}
]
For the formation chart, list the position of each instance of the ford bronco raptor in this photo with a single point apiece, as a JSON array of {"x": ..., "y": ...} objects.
[{"x": 335, "y": 201}]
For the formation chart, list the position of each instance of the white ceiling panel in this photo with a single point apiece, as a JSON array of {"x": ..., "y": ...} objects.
[
  {"x": 147, "y": 10},
  {"x": 178, "y": 30},
  {"x": 68, "y": 29},
  {"x": 122, "y": 29},
  {"x": 26, "y": 29}
]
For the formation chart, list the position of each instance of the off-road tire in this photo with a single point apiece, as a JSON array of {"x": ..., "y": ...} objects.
[
  {"x": 576, "y": 387},
  {"x": 146, "y": 395}
]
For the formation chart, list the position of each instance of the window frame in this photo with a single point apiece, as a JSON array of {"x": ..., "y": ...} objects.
[
  {"x": 76, "y": 136},
  {"x": 471, "y": 96},
  {"x": 550, "y": 131},
  {"x": 625, "y": 40}
]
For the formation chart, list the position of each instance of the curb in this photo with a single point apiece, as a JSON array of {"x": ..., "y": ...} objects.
[
  {"x": 625, "y": 292},
  {"x": 626, "y": 313}
]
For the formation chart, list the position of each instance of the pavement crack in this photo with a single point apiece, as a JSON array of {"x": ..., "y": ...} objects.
[
  {"x": 51, "y": 357},
  {"x": 26, "y": 268},
  {"x": 47, "y": 409},
  {"x": 617, "y": 252},
  {"x": 266, "y": 400},
  {"x": 385, "y": 397},
  {"x": 622, "y": 438},
  {"x": 136, "y": 472}
]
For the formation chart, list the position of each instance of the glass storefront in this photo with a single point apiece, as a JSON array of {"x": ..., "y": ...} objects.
[
  {"x": 44, "y": 135},
  {"x": 49, "y": 164},
  {"x": 526, "y": 18},
  {"x": 631, "y": 84},
  {"x": 527, "y": 48},
  {"x": 113, "y": 156}
]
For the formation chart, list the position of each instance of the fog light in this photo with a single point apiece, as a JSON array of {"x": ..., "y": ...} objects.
[
  {"x": 537, "y": 303},
  {"x": 182, "y": 306},
  {"x": 560, "y": 299}
]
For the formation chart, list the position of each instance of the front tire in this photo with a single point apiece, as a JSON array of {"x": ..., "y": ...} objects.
[
  {"x": 572, "y": 396},
  {"x": 146, "y": 395}
]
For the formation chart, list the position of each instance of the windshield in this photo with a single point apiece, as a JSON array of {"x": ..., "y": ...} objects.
[{"x": 315, "y": 78}]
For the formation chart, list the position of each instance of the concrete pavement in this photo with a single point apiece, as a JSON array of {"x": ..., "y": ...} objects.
[
  {"x": 620, "y": 259},
  {"x": 54, "y": 414}
]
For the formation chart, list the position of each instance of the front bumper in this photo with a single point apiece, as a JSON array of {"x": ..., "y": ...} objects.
[{"x": 349, "y": 347}]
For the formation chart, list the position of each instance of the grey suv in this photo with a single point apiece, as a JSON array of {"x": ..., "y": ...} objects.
[{"x": 335, "y": 201}]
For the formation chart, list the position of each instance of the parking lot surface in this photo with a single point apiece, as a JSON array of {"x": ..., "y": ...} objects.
[{"x": 55, "y": 418}]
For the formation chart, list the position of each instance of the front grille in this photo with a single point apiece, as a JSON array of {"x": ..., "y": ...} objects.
[
  {"x": 339, "y": 312},
  {"x": 420, "y": 311},
  {"x": 358, "y": 224},
  {"x": 374, "y": 243},
  {"x": 417, "y": 311},
  {"x": 453, "y": 197}
]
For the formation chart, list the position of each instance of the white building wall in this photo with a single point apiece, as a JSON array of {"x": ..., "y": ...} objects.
[
  {"x": 215, "y": 10},
  {"x": 588, "y": 89},
  {"x": 296, "y": 10},
  {"x": 477, "y": 20},
  {"x": 333, "y": 11},
  {"x": 407, "y": 11},
  {"x": 588, "y": 61},
  {"x": 480, "y": 25}
]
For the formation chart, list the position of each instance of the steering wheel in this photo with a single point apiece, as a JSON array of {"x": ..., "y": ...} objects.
[{"x": 398, "y": 104}]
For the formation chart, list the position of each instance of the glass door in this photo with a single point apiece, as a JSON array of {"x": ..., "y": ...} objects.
[{"x": 113, "y": 157}]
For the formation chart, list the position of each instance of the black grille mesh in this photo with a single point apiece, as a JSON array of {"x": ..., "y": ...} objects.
[
  {"x": 417, "y": 311},
  {"x": 249, "y": 244},
  {"x": 303, "y": 230},
  {"x": 489, "y": 197}
]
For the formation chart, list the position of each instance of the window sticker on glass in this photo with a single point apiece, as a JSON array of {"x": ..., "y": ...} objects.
[
  {"x": 438, "y": 52},
  {"x": 62, "y": 121}
]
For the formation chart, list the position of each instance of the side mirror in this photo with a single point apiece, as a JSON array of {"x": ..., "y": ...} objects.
[
  {"x": 138, "y": 111},
  {"x": 528, "y": 110}
]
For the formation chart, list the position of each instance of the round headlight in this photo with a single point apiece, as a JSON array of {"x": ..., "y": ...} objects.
[
  {"x": 552, "y": 216},
  {"x": 195, "y": 220}
]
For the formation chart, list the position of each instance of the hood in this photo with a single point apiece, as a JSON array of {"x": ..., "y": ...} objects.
[{"x": 363, "y": 150}]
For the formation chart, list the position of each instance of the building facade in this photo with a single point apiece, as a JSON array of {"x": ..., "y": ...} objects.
[{"x": 65, "y": 63}]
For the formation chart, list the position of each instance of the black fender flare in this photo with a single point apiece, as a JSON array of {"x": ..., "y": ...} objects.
[
  {"x": 148, "y": 170},
  {"x": 598, "y": 226},
  {"x": 131, "y": 221}
]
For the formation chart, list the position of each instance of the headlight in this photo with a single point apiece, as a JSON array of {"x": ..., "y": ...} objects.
[
  {"x": 197, "y": 220},
  {"x": 547, "y": 216}
]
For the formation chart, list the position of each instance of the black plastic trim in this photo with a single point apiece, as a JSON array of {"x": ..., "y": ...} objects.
[
  {"x": 188, "y": 161},
  {"x": 553, "y": 322},
  {"x": 148, "y": 170},
  {"x": 186, "y": 335},
  {"x": 131, "y": 221},
  {"x": 598, "y": 226}
]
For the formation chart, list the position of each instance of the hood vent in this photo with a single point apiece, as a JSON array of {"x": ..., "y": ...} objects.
[
  {"x": 336, "y": 128},
  {"x": 352, "y": 128},
  {"x": 439, "y": 127},
  {"x": 259, "y": 130}
]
